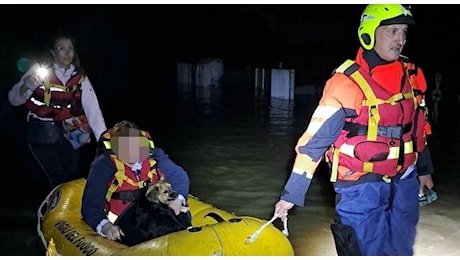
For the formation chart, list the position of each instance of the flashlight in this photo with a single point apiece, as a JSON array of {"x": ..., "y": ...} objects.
[{"x": 42, "y": 72}]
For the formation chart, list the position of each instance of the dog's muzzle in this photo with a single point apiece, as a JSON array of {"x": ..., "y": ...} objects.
[{"x": 172, "y": 195}]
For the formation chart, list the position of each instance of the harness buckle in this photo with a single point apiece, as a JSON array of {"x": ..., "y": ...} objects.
[{"x": 394, "y": 132}]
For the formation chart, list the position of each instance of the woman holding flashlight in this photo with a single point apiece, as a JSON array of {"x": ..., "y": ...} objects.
[{"x": 63, "y": 112}]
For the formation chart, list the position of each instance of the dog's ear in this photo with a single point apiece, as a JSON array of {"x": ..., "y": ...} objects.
[
  {"x": 151, "y": 188},
  {"x": 162, "y": 178}
]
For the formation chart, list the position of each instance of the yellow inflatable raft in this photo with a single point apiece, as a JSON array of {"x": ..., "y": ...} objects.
[{"x": 59, "y": 222}]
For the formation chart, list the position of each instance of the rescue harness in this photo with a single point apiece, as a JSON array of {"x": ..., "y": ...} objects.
[
  {"x": 56, "y": 100},
  {"x": 372, "y": 129}
]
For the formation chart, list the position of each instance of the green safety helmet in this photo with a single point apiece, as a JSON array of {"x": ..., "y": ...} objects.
[{"x": 381, "y": 14}]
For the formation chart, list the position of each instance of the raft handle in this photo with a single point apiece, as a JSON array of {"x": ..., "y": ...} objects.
[
  {"x": 256, "y": 234},
  {"x": 234, "y": 220},
  {"x": 194, "y": 229}
]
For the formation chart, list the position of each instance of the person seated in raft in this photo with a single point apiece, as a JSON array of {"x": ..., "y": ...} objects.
[{"x": 127, "y": 162}]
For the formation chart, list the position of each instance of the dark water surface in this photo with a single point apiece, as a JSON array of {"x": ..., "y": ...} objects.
[{"x": 238, "y": 151}]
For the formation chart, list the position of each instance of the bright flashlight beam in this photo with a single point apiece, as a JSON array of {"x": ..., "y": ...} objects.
[{"x": 42, "y": 72}]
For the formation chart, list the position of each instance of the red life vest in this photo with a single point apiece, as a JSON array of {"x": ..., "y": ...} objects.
[
  {"x": 379, "y": 139},
  {"x": 422, "y": 109},
  {"x": 126, "y": 185},
  {"x": 56, "y": 100}
]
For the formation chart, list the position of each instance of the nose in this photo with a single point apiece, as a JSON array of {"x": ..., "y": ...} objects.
[
  {"x": 401, "y": 38},
  {"x": 173, "y": 195}
]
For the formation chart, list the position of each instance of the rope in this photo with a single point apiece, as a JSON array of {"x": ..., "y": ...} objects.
[
  {"x": 285, "y": 228},
  {"x": 256, "y": 234}
]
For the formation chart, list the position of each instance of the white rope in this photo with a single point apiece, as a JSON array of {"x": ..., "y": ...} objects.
[
  {"x": 256, "y": 234},
  {"x": 285, "y": 228}
]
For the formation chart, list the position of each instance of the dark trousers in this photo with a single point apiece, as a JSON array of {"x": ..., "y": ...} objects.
[
  {"x": 56, "y": 163},
  {"x": 383, "y": 216}
]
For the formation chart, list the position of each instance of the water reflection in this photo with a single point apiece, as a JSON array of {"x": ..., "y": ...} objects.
[{"x": 239, "y": 155}]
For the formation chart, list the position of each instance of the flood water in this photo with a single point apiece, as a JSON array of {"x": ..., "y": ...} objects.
[{"x": 238, "y": 151}]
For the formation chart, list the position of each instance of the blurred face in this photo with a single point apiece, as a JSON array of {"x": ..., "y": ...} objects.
[
  {"x": 390, "y": 40},
  {"x": 63, "y": 52},
  {"x": 131, "y": 149}
]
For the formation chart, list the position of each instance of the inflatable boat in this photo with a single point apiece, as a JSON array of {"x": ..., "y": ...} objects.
[{"x": 214, "y": 232}]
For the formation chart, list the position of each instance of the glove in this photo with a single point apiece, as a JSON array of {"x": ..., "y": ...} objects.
[{"x": 112, "y": 232}]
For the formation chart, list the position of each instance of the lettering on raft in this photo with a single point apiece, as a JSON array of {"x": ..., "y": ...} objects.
[{"x": 72, "y": 235}]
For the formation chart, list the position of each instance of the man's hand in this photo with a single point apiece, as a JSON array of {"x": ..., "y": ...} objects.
[
  {"x": 281, "y": 209},
  {"x": 426, "y": 193},
  {"x": 426, "y": 182}
]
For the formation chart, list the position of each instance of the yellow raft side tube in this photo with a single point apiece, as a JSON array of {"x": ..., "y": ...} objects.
[{"x": 59, "y": 219}]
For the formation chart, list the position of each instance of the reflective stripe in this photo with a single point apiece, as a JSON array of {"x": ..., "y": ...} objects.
[
  {"x": 372, "y": 102},
  {"x": 39, "y": 103},
  {"x": 368, "y": 166},
  {"x": 344, "y": 66},
  {"x": 298, "y": 171},
  {"x": 335, "y": 164},
  {"x": 107, "y": 144},
  {"x": 301, "y": 172},
  {"x": 112, "y": 217},
  {"x": 393, "y": 154},
  {"x": 57, "y": 88},
  {"x": 36, "y": 101}
]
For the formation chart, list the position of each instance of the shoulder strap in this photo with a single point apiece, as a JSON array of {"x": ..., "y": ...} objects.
[{"x": 348, "y": 67}]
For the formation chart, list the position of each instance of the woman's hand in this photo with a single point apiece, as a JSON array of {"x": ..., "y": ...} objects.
[
  {"x": 175, "y": 205},
  {"x": 30, "y": 83},
  {"x": 112, "y": 232}
]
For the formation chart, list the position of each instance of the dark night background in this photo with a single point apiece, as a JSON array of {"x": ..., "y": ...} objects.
[
  {"x": 138, "y": 46},
  {"x": 135, "y": 45}
]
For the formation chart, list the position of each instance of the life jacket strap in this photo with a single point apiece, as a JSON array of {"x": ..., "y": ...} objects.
[
  {"x": 395, "y": 132},
  {"x": 128, "y": 195},
  {"x": 335, "y": 164}
]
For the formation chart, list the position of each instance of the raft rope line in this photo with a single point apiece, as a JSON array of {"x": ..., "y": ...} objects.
[{"x": 256, "y": 234}]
